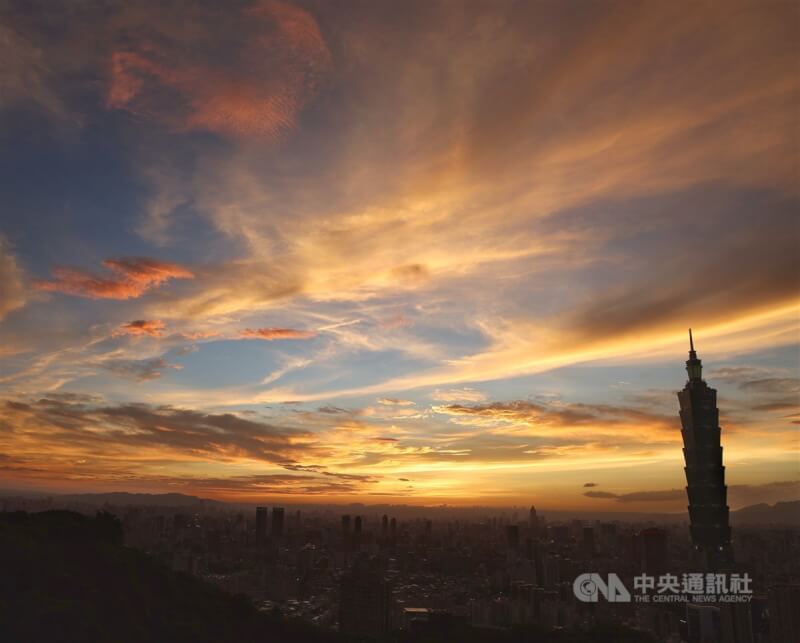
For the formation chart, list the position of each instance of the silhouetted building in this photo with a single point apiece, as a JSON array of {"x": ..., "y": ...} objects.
[
  {"x": 358, "y": 525},
  {"x": 608, "y": 534},
  {"x": 705, "y": 474},
  {"x": 393, "y": 528},
  {"x": 702, "y": 623},
  {"x": 587, "y": 542},
  {"x": 277, "y": 522},
  {"x": 784, "y": 616},
  {"x": 385, "y": 526},
  {"x": 560, "y": 533},
  {"x": 365, "y": 599},
  {"x": 512, "y": 537},
  {"x": 533, "y": 521},
  {"x": 261, "y": 526},
  {"x": 736, "y": 623},
  {"x": 655, "y": 557},
  {"x": 346, "y": 525}
]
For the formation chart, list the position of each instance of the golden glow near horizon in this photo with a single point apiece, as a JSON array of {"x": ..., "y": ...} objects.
[{"x": 293, "y": 254}]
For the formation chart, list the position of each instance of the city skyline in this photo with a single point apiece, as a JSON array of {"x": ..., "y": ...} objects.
[{"x": 284, "y": 253}]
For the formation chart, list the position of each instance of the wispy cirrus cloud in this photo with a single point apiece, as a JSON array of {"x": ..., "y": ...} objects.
[
  {"x": 439, "y": 204},
  {"x": 393, "y": 401},
  {"x": 139, "y": 370},
  {"x": 466, "y": 394},
  {"x": 602, "y": 417},
  {"x": 271, "y": 334},
  {"x": 128, "y": 278},
  {"x": 778, "y": 385}
]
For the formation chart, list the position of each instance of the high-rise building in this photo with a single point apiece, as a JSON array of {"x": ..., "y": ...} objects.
[
  {"x": 587, "y": 542},
  {"x": 784, "y": 617},
  {"x": 261, "y": 526},
  {"x": 364, "y": 600},
  {"x": 346, "y": 525},
  {"x": 533, "y": 521},
  {"x": 705, "y": 474},
  {"x": 560, "y": 534},
  {"x": 385, "y": 526},
  {"x": 655, "y": 554},
  {"x": 512, "y": 537},
  {"x": 277, "y": 522},
  {"x": 358, "y": 524}
]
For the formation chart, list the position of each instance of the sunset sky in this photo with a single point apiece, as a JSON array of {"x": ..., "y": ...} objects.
[{"x": 397, "y": 252}]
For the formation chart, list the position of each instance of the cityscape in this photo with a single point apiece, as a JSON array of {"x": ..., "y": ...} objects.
[
  {"x": 436, "y": 573},
  {"x": 399, "y": 321}
]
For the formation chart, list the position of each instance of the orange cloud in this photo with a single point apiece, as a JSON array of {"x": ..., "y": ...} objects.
[
  {"x": 276, "y": 333},
  {"x": 276, "y": 71},
  {"x": 133, "y": 276},
  {"x": 151, "y": 327}
]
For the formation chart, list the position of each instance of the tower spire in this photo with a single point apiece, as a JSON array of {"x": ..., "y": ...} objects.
[{"x": 694, "y": 367}]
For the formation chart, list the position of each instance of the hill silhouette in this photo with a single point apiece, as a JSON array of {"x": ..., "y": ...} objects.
[
  {"x": 67, "y": 577},
  {"x": 779, "y": 514}
]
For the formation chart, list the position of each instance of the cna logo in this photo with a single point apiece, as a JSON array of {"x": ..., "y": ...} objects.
[{"x": 587, "y": 587}]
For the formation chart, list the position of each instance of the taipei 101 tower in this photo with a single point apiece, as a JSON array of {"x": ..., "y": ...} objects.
[{"x": 705, "y": 474}]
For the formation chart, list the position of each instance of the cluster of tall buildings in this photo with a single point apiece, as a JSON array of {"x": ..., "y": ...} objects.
[{"x": 266, "y": 529}]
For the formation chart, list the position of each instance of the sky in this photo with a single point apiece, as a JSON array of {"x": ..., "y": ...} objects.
[{"x": 397, "y": 252}]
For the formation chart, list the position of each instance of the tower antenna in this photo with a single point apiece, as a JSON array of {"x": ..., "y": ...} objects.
[{"x": 691, "y": 341}]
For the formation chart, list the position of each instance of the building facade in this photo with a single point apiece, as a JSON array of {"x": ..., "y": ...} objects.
[{"x": 705, "y": 473}]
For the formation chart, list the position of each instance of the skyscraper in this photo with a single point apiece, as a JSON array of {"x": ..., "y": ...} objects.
[
  {"x": 705, "y": 474},
  {"x": 533, "y": 521},
  {"x": 654, "y": 550},
  {"x": 277, "y": 522},
  {"x": 346, "y": 525},
  {"x": 261, "y": 526},
  {"x": 364, "y": 600},
  {"x": 512, "y": 537}
]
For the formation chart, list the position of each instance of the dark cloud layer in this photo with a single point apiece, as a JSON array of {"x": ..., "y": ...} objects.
[
  {"x": 706, "y": 259},
  {"x": 131, "y": 426},
  {"x": 738, "y": 495}
]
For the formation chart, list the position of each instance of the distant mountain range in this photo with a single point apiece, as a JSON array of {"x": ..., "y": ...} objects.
[
  {"x": 780, "y": 514},
  {"x": 122, "y": 498}
]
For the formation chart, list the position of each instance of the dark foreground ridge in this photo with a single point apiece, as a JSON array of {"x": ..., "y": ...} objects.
[{"x": 67, "y": 577}]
